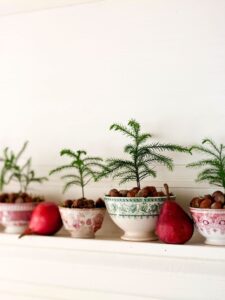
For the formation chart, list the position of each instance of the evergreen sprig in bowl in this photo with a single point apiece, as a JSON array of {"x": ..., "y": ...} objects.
[{"x": 136, "y": 216}]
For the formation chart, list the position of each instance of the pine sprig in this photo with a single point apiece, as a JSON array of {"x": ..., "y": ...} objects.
[
  {"x": 143, "y": 157},
  {"x": 214, "y": 164},
  {"x": 84, "y": 169},
  {"x": 12, "y": 169}
]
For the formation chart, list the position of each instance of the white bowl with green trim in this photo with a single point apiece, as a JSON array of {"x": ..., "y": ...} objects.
[{"x": 136, "y": 216}]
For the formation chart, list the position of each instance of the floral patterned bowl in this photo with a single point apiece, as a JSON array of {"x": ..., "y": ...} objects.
[
  {"x": 82, "y": 222},
  {"x": 16, "y": 216},
  {"x": 136, "y": 216},
  {"x": 210, "y": 223}
]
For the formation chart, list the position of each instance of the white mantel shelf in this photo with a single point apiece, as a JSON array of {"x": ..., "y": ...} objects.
[
  {"x": 9, "y": 7},
  {"x": 105, "y": 245},
  {"x": 62, "y": 268}
]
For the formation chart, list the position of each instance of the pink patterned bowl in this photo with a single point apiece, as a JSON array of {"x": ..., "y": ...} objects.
[
  {"x": 210, "y": 223},
  {"x": 82, "y": 222},
  {"x": 16, "y": 216}
]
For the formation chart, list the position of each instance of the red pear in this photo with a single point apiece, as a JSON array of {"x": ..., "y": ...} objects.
[
  {"x": 45, "y": 220},
  {"x": 174, "y": 224}
]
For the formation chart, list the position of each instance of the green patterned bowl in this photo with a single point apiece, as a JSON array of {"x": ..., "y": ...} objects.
[{"x": 136, "y": 216}]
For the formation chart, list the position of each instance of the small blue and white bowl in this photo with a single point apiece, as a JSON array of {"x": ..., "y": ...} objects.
[{"x": 136, "y": 216}]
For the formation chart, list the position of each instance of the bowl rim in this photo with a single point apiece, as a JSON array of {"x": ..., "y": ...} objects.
[
  {"x": 81, "y": 209},
  {"x": 20, "y": 203},
  {"x": 213, "y": 210},
  {"x": 138, "y": 199}
]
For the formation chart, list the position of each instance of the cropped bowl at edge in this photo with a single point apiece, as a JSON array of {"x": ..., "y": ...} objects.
[
  {"x": 210, "y": 223},
  {"x": 16, "y": 216}
]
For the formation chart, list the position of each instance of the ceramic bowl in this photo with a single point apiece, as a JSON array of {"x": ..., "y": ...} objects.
[
  {"x": 210, "y": 223},
  {"x": 136, "y": 216},
  {"x": 82, "y": 222},
  {"x": 16, "y": 216}
]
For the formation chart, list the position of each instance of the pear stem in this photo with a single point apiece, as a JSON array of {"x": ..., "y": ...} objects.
[
  {"x": 27, "y": 231},
  {"x": 166, "y": 187}
]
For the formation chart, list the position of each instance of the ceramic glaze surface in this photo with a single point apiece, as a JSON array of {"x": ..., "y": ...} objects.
[
  {"x": 82, "y": 222},
  {"x": 211, "y": 224},
  {"x": 134, "y": 207},
  {"x": 136, "y": 216},
  {"x": 15, "y": 216}
]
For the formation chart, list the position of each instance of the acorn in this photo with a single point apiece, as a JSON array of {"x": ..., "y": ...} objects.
[
  {"x": 79, "y": 203},
  {"x": 68, "y": 203},
  {"x": 205, "y": 203},
  {"x": 28, "y": 199},
  {"x": 143, "y": 192},
  {"x": 114, "y": 193},
  {"x": 131, "y": 193},
  {"x": 89, "y": 204},
  {"x": 208, "y": 196},
  {"x": 218, "y": 197},
  {"x": 152, "y": 191},
  {"x": 135, "y": 189},
  {"x": 12, "y": 197},
  {"x": 216, "y": 205},
  {"x": 123, "y": 193},
  {"x": 195, "y": 202},
  {"x": 100, "y": 203},
  {"x": 24, "y": 195},
  {"x": 3, "y": 197}
]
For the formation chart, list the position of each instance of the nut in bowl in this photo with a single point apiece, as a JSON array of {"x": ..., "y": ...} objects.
[
  {"x": 136, "y": 216},
  {"x": 82, "y": 220}
]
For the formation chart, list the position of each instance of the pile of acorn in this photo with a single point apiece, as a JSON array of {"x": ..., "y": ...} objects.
[
  {"x": 84, "y": 203},
  {"x": 148, "y": 191},
  {"x": 18, "y": 198},
  {"x": 214, "y": 201}
]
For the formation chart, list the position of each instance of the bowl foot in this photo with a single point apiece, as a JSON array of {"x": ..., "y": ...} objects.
[
  {"x": 215, "y": 242},
  {"x": 15, "y": 229},
  {"x": 139, "y": 238}
]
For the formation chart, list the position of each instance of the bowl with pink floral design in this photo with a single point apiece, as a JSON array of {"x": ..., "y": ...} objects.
[
  {"x": 210, "y": 223},
  {"x": 16, "y": 210},
  {"x": 82, "y": 218}
]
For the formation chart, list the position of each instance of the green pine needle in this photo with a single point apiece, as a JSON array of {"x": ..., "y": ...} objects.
[
  {"x": 142, "y": 156},
  {"x": 214, "y": 164},
  {"x": 84, "y": 169},
  {"x": 13, "y": 170}
]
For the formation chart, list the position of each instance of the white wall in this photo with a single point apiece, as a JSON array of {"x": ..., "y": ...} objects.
[{"x": 66, "y": 74}]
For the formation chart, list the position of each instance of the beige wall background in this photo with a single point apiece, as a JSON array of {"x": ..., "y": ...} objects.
[{"x": 67, "y": 73}]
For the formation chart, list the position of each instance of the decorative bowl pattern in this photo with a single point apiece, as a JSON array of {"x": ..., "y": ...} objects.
[
  {"x": 16, "y": 216},
  {"x": 211, "y": 224},
  {"x": 136, "y": 216},
  {"x": 82, "y": 222}
]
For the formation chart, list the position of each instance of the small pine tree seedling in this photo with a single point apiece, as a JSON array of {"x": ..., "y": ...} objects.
[
  {"x": 25, "y": 176},
  {"x": 12, "y": 170},
  {"x": 214, "y": 171},
  {"x": 142, "y": 156},
  {"x": 9, "y": 165},
  {"x": 85, "y": 168}
]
